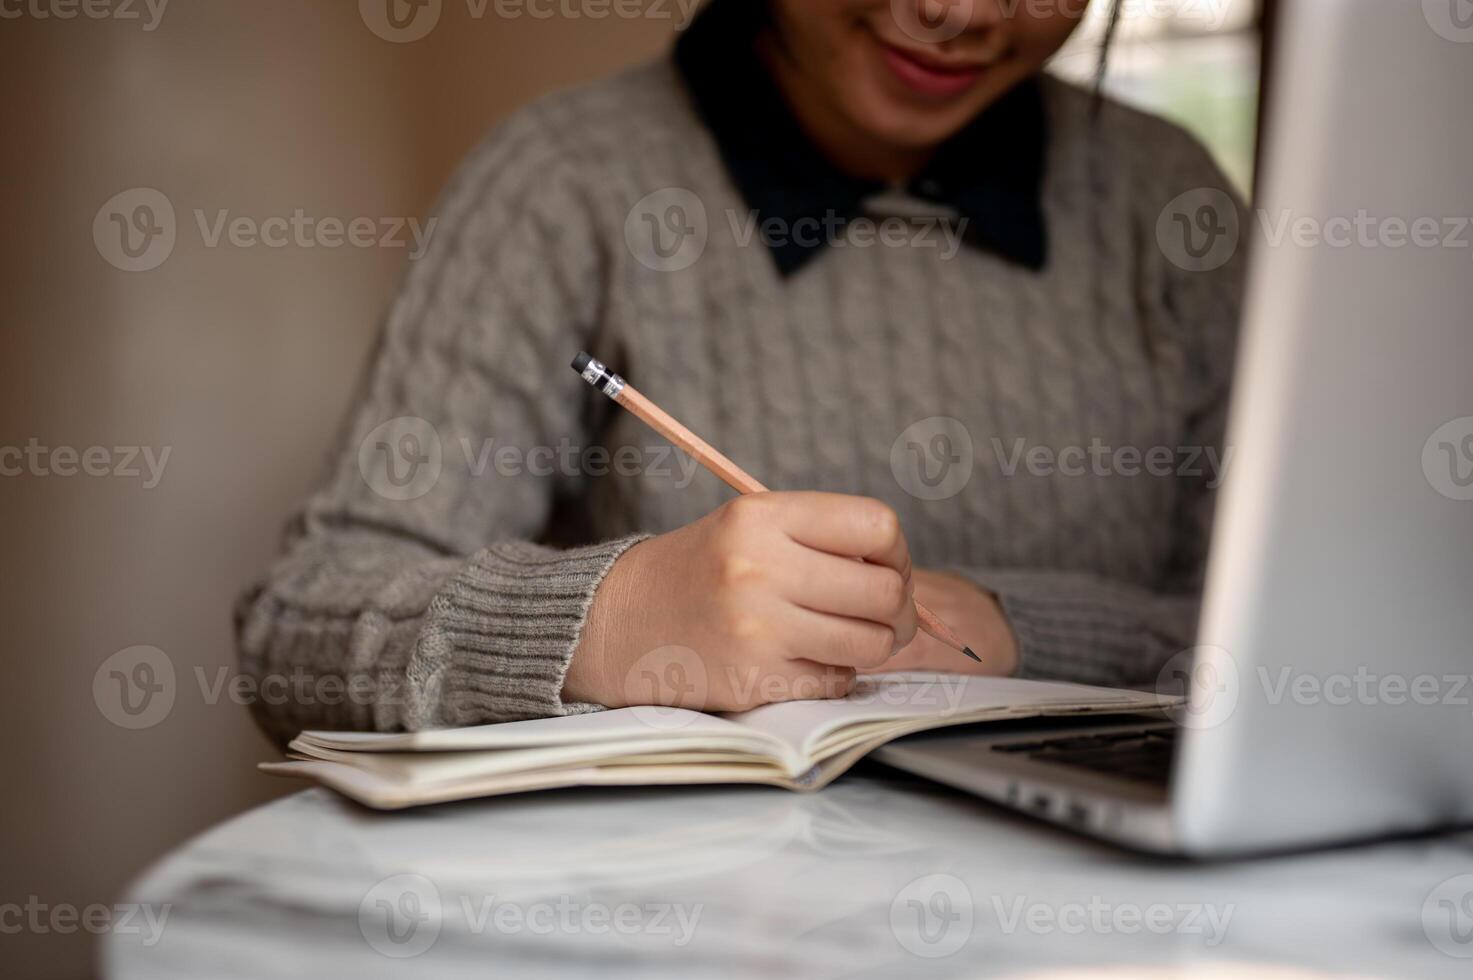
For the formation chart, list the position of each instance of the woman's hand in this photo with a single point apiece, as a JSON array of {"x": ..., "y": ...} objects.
[
  {"x": 975, "y": 615},
  {"x": 761, "y": 600}
]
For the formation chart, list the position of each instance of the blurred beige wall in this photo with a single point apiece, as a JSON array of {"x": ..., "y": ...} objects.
[{"x": 238, "y": 361}]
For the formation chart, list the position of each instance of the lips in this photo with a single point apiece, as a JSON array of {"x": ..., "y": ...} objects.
[{"x": 927, "y": 76}]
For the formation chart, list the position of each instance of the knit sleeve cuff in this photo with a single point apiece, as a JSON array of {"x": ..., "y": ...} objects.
[
  {"x": 1081, "y": 628},
  {"x": 497, "y": 639}
]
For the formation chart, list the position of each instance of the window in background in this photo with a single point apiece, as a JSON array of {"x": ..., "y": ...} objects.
[{"x": 1193, "y": 61}]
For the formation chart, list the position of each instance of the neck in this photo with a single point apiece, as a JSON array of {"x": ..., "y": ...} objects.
[{"x": 846, "y": 146}]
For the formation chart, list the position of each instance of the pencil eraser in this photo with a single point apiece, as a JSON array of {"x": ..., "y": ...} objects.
[{"x": 581, "y": 361}]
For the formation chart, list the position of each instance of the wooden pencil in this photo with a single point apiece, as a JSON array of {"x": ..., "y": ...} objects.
[{"x": 625, "y": 394}]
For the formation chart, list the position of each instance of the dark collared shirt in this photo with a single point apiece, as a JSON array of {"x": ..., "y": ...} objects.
[{"x": 990, "y": 173}]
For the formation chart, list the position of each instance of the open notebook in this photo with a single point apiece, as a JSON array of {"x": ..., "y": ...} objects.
[{"x": 799, "y": 745}]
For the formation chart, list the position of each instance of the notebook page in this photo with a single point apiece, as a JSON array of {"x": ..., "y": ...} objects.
[
  {"x": 620, "y": 725},
  {"x": 902, "y": 697}
]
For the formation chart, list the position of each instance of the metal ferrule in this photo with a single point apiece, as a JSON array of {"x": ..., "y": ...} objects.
[{"x": 602, "y": 378}]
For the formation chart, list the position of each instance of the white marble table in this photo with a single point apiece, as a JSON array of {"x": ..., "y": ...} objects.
[{"x": 878, "y": 875}]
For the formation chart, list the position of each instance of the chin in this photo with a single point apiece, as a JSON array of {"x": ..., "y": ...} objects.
[
  {"x": 916, "y": 130},
  {"x": 904, "y": 124}
]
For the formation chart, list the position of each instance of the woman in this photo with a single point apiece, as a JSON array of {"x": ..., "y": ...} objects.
[{"x": 885, "y": 265}]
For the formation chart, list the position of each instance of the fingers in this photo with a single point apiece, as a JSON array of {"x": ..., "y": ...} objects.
[
  {"x": 841, "y": 524},
  {"x": 805, "y": 589},
  {"x": 826, "y": 583},
  {"x": 809, "y": 680},
  {"x": 838, "y": 641}
]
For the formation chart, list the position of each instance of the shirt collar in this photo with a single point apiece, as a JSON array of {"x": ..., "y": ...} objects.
[{"x": 990, "y": 173}]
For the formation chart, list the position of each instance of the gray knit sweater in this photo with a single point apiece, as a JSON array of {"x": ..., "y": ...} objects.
[{"x": 1049, "y": 434}]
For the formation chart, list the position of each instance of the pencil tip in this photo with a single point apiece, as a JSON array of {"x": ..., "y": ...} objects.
[{"x": 968, "y": 652}]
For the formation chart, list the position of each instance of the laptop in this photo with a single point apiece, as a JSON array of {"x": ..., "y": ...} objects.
[{"x": 1330, "y": 692}]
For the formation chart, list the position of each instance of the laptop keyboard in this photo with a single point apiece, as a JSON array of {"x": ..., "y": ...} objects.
[{"x": 1142, "y": 756}]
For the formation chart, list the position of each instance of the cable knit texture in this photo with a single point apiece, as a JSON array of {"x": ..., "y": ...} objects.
[{"x": 461, "y": 602}]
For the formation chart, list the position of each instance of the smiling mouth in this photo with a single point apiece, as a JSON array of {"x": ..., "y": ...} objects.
[{"x": 927, "y": 75}]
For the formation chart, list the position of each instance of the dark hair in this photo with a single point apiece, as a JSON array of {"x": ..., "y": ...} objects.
[{"x": 1103, "y": 64}]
